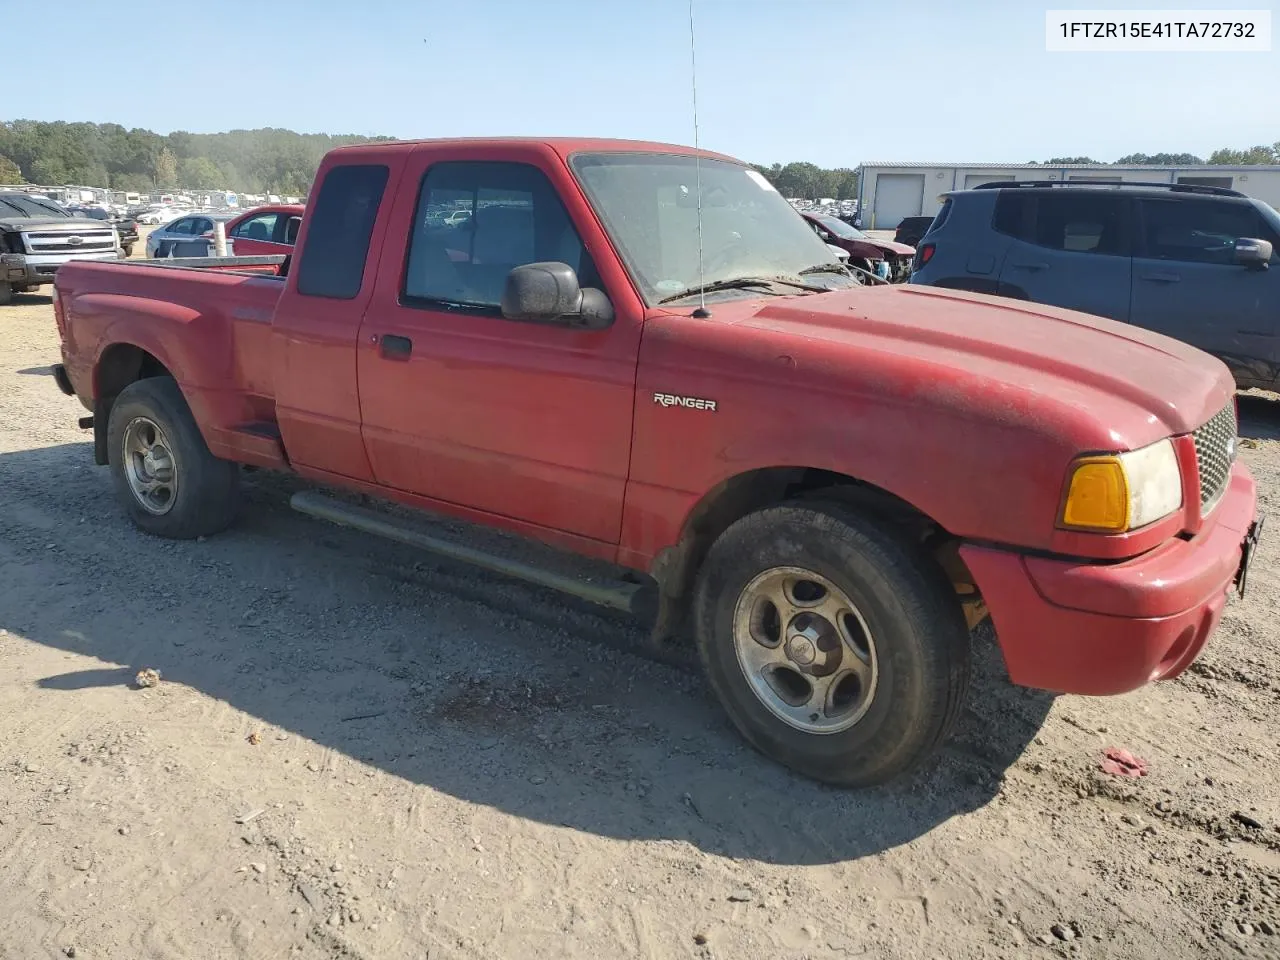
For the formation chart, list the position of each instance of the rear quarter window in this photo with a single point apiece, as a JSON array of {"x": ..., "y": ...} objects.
[
  {"x": 1014, "y": 215},
  {"x": 940, "y": 218},
  {"x": 346, "y": 206}
]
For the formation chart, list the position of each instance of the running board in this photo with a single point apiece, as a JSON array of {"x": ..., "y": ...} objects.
[{"x": 627, "y": 597}]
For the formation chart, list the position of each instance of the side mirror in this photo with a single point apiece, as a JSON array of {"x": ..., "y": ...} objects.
[
  {"x": 548, "y": 292},
  {"x": 1254, "y": 253}
]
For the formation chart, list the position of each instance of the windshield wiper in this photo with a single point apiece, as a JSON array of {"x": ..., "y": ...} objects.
[
  {"x": 824, "y": 268},
  {"x": 715, "y": 285},
  {"x": 845, "y": 268}
]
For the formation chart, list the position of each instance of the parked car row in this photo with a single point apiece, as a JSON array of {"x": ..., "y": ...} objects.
[
  {"x": 126, "y": 227},
  {"x": 261, "y": 231},
  {"x": 39, "y": 235},
  {"x": 1192, "y": 262}
]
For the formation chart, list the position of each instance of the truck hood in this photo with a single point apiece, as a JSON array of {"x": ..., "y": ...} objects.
[
  {"x": 1137, "y": 385},
  {"x": 70, "y": 225}
]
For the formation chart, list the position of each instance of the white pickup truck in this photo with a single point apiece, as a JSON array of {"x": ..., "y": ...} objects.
[{"x": 37, "y": 237}]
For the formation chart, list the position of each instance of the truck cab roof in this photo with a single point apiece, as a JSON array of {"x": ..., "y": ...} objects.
[{"x": 563, "y": 146}]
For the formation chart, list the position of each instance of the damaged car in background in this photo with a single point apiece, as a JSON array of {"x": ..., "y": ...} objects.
[{"x": 885, "y": 259}]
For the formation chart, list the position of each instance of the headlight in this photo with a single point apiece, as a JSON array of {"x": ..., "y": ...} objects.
[{"x": 1123, "y": 491}]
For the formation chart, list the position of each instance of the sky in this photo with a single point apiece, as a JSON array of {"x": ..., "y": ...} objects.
[{"x": 834, "y": 82}]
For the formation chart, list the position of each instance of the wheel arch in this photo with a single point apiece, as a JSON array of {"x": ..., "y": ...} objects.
[
  {"x": 675, "y": 568},
  {"x": 119, "y": 364}
]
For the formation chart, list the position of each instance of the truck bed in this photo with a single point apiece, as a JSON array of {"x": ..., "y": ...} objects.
[
  {"x": 271, "y": 266},
  {"x": 207, "y": 320}
]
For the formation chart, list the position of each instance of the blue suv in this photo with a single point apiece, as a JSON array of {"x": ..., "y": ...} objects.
[{"x": 1189, "y": 261}]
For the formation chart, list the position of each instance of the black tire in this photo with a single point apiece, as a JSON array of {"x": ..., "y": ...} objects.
[
  {"x": 920, "y": 640},
  {"x": 206, "y": 497},
  {"x": 6, "y": 292},
  {"x": 128, "y": 251}
]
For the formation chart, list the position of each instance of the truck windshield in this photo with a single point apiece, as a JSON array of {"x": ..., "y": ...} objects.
[
  {"x": 32, "y": 206},
  {"x": 649, "y": 205}
]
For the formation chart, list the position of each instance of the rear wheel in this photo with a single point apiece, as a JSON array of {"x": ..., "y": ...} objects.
[
  {"x": 836, "y": 647},
  {"x": 165, "y": 476}
]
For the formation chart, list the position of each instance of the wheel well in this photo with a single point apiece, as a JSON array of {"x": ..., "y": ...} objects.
[
  {"x": 120, "y": 365},
  {"x": 123, "y": 363},
  {"x": 676, "y": 568}
]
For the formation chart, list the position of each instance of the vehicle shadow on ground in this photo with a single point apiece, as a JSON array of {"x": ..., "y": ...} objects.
[
  {"x": 32, "y": 299},
  {"x": 495, "y": 693},
  {"x": 1259, "y": 416}
]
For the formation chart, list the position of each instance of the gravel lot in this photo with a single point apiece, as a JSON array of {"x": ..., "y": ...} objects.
[{"x": 358, "y": 751}]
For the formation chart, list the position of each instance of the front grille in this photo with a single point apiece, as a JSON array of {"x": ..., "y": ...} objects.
[
  {"x": 63, "y": 234},
  {"x": 50, "y": 241},
  {"x": 89, "y": 246},
  {"x": 1215, "y": 452}
]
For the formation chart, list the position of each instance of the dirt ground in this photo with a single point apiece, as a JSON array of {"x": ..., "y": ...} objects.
[{"x": 358, "y": 751}]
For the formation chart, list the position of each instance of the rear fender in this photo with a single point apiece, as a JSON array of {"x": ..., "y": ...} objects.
[
  {"x": 163, "y": 330},
  {"x": 193, "y": 347}
]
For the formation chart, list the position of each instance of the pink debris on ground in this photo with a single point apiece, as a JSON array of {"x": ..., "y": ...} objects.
[{"x": 1122, "y": 763}]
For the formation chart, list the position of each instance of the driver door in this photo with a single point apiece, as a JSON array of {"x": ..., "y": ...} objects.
[
  {"x": 253, "y": 236},
  {"x": 527, "y": 421}
]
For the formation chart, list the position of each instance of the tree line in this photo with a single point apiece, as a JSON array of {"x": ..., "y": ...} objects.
[
  {"x": 1227, "y": 157},
  {"x": 279, "y": 161},
  {"x": 108, "y": 155}
]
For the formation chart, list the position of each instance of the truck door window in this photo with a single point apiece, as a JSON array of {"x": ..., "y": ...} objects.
[
  {"x": 1196, "y": 231},
  {"x": 475, "y": 222},
  {"x": 332, "y": 262},
  {"x": 261, "y": 227}
]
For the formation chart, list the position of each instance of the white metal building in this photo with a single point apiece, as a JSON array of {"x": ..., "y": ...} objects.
[{"x": 887, "y": 192}]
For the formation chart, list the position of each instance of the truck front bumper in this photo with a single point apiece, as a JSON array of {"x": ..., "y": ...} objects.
[
  {"x": 1106, "y": 628},
  {"x": 29, "y": 270}
]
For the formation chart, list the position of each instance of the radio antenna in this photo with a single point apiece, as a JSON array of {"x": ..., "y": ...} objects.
[{"x": 701, "y": 313}]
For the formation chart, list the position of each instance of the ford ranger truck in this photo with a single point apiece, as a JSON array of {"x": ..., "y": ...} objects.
[{"x": 823, "y": 485}]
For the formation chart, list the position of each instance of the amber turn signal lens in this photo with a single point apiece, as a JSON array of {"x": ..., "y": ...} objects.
[{"x": 1098, "y": 498}]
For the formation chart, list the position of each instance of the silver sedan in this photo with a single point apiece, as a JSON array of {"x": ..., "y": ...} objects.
[{"x": 194, "y": 227}]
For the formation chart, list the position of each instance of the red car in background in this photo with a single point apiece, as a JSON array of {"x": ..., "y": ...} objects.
[
  {"x": 264, "y": 231},
  {"x": 886, "y": 259}
]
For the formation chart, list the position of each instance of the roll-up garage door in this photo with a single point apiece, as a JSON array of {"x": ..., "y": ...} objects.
[{"x": 898, "y": 195}]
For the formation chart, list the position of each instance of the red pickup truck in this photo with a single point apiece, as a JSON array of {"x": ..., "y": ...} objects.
[{"x": 824, "y": 485}]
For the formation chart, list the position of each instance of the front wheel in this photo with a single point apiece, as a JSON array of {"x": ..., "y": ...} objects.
[
  {"x": 164, "y": 475},
  {"x": 836, "y": 646}
]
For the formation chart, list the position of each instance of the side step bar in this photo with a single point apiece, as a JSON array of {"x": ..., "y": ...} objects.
[{"x": 626, "y": 597}]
